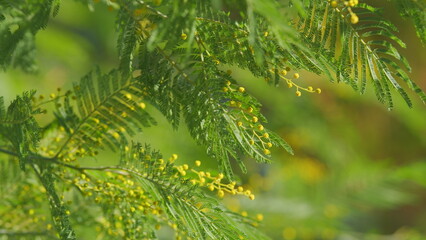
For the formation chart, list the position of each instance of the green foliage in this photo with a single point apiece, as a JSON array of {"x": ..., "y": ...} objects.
[
  {"x": 199, "y": 215},
  {"x": 58, "y": 210},
  {"x": 172, "y": 56},
  {"x": 232, "y": 118},
  {"x": 416, "y": 12},
  {"x": 19, "y": 127},
  {"x": 19, "y": 22},
  {"x": 370, "y": 53},
  {"x": 109, "y": 112}
]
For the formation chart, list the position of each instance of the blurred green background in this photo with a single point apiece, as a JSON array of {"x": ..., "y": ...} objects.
[{"x": 359, "y": 170}]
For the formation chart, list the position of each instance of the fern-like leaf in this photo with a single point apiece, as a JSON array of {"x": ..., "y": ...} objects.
[
  {"x": 19, "y": 22},
  {"x": 145, "y": 188},
  {"x": 416, "y": 11},
  {"x": 18, "y": 126},
  {"x": 218, "y": 112},
  {"x": 110, "y": 107},
  {"x": 197, "y": 214},
  {"x": 361, "y": 51},
  {"x": 58, "y": 210}
]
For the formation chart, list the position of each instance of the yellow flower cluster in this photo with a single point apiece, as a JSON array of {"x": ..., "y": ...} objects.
[
  {"x": 214, "y": 182},
  {"x": 291, "y": 83},
  {"x": 248, "y": 121},
  {"x": 53, "y": 98},
  {"x": 229, "y": 88},
  {"x": 27, "y": 219},
  {"x": 259, "y": 135},
  {"x": 351, "y": 3},
  {"x": 122, "y": 191}
]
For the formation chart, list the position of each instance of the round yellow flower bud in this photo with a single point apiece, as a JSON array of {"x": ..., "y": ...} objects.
[
  {"x": 354, "y": 19},
  {"x": 220, "y": 193}
]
